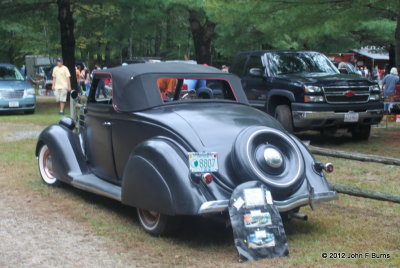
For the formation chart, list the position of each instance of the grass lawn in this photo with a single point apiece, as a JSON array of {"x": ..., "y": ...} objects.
[{"x": 349, "y": 225}]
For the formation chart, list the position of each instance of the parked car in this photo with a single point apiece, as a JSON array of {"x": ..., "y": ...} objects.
[
  {"x": 305, "y": 91},
  {"x": 177, "y": 153},
  {"x": 48, "y": 79},
  {"x": 16, "y": 94},
  {"x": 346, "y": 67}
]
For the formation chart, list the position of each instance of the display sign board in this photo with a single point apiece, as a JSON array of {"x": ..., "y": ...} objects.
[{"x": 257, "y": 225}]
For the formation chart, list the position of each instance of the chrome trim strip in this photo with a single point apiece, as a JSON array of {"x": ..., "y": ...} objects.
[
  {"x": 94, "y": 190},
  {"x": 347, "y": 87},
  {"x": 213, "y": 206},
  {"x": 283, "y": 206},
  {"x": 333, "y": 115},
  {"x": 329, "y": 93}
]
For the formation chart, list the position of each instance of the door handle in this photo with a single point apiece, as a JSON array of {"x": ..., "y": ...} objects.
[{"x": 106, "y": 124}]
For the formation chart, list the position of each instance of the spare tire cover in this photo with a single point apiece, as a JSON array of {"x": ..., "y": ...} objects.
[{"x": 270, "y": 156}]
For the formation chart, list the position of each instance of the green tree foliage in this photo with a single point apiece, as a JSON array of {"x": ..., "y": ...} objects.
[
  {"x": 110, "y": 31},
  {"x": 324, "y": 25}
]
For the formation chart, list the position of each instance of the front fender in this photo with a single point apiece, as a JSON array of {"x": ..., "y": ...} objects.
[
  {"x": 156, "y": 177},
  {"x": 281, "y": 92},
  {"x": 66, "y": 151}
]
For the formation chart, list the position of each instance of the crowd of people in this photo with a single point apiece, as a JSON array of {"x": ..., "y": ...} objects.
[
  {"x": 61, "y": 80},
  {"x": 376, "y": 74}
]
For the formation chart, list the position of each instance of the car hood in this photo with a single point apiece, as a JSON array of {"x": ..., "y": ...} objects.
[
  {"x": 14, "y": 85},
  {"x": 324, "y": 79},
  {"x": 205, "y": 125}
]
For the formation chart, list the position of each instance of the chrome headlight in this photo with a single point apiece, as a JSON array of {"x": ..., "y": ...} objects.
[
  {"x": 374, "y": 88},
  {"x": 29, "y": 92},
  {"x": 314, "y": 98},
  {"x": 312, "y": 89},
  {"x": 375, "y": 97}
]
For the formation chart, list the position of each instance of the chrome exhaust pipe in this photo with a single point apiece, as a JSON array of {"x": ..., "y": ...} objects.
[{"x": 299, "y": 216}]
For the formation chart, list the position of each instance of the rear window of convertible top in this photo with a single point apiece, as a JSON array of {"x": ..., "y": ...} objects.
[{"x": 179, "y": 89}]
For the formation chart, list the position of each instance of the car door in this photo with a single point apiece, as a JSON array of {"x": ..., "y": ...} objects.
[
  {"x": 98, "y": 130},
  {"x": 255, "y": 87}
]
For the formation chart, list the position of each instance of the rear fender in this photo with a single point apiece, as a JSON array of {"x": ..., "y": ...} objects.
[
  {"x": 66, "y": 151},
  {"x": 156, "y": 177},
  {"x": 315, "y": 179}
]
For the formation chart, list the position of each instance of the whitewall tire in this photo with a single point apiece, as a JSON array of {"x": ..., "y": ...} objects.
[
  {"x": 45, "y": 163},
  {"x": 156, "y": 223}
]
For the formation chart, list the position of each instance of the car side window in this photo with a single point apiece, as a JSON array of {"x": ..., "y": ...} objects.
[
  {"x": 254, "y": 62},
  {"x": 238, "y": 64},
  {"x": 178, "y": 89},
  {"x": 101, "y": 89},
  {"x": 104, "y": 90}
]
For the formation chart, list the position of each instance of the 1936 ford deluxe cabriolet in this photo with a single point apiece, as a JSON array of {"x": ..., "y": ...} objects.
[{"x": 174, "y": 139}]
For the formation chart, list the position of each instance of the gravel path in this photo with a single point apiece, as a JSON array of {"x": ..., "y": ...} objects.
[{"x": 30, "y": 239}]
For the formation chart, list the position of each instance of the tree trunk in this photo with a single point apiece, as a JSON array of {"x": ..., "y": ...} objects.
[
  {"x": 397, "y": 41},
  {"x": 11, "y": 53},
  {"x": 157, "y": 42},
  {"x": 355, "y": 156},
  {"x": 203, "y": 35},
  {"x": 168, "y": 34},
  {"x": 130, "y": 53},
  {"x": 355, "y": 191},
  {"x": 107, "y": 53},
  {"x": 67, "y": 37},
  {"x": 99, "y": 58}
]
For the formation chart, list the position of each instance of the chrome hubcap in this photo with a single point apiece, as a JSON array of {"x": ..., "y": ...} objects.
[{"x": 273, "y": 157}]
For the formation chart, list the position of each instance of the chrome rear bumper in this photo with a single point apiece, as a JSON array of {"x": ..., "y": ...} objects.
[{"x": 283, "y": 206}]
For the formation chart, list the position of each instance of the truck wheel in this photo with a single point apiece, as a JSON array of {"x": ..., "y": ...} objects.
[
  {"x": 45, "y": 164},
  {"x": 361, "y": 132},
  {"x": 284, "y": 115},
  {"x": 158, "y": 224}
]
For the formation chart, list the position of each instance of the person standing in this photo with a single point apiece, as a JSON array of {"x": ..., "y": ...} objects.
[
  {"x": 88, "y": 81},
  {"x": 78, "y": 78},
  {"x": 359, "y": 71},
  {"x": 82, "y": 79},
  {"x": 375, "y": 73},
  {"x": 61, "y": 83},
  {"x": 389, "y": 83},
  {"x": 23, "y": 70},
  {"x": 366, "y": 72}
]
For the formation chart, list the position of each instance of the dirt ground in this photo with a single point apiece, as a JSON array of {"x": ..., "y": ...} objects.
[{"x": 37, "y": 237}]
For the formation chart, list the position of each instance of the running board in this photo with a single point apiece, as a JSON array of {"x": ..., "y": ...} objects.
[{"x": 93, "y": 184}]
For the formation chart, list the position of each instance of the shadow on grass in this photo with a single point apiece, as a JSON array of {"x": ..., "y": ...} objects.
[
  {"x": 317, "y": 139},
  {"x": 196, "y": 232}
]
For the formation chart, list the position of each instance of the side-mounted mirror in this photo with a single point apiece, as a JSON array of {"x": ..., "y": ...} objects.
[
  {"x": 74, "y": 94},
  {"x": 256, "y": 72},
  {"x": 343, "y": 71}
]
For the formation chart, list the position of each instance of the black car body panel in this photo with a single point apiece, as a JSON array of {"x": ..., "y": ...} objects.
[{"x": 137, "y": 152}]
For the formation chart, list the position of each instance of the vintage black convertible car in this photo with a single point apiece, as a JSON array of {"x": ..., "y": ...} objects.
[{"x": 173, "y": 139}]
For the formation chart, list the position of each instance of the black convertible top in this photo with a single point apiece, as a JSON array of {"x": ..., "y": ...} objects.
[{"x": 135, "y": 85}]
